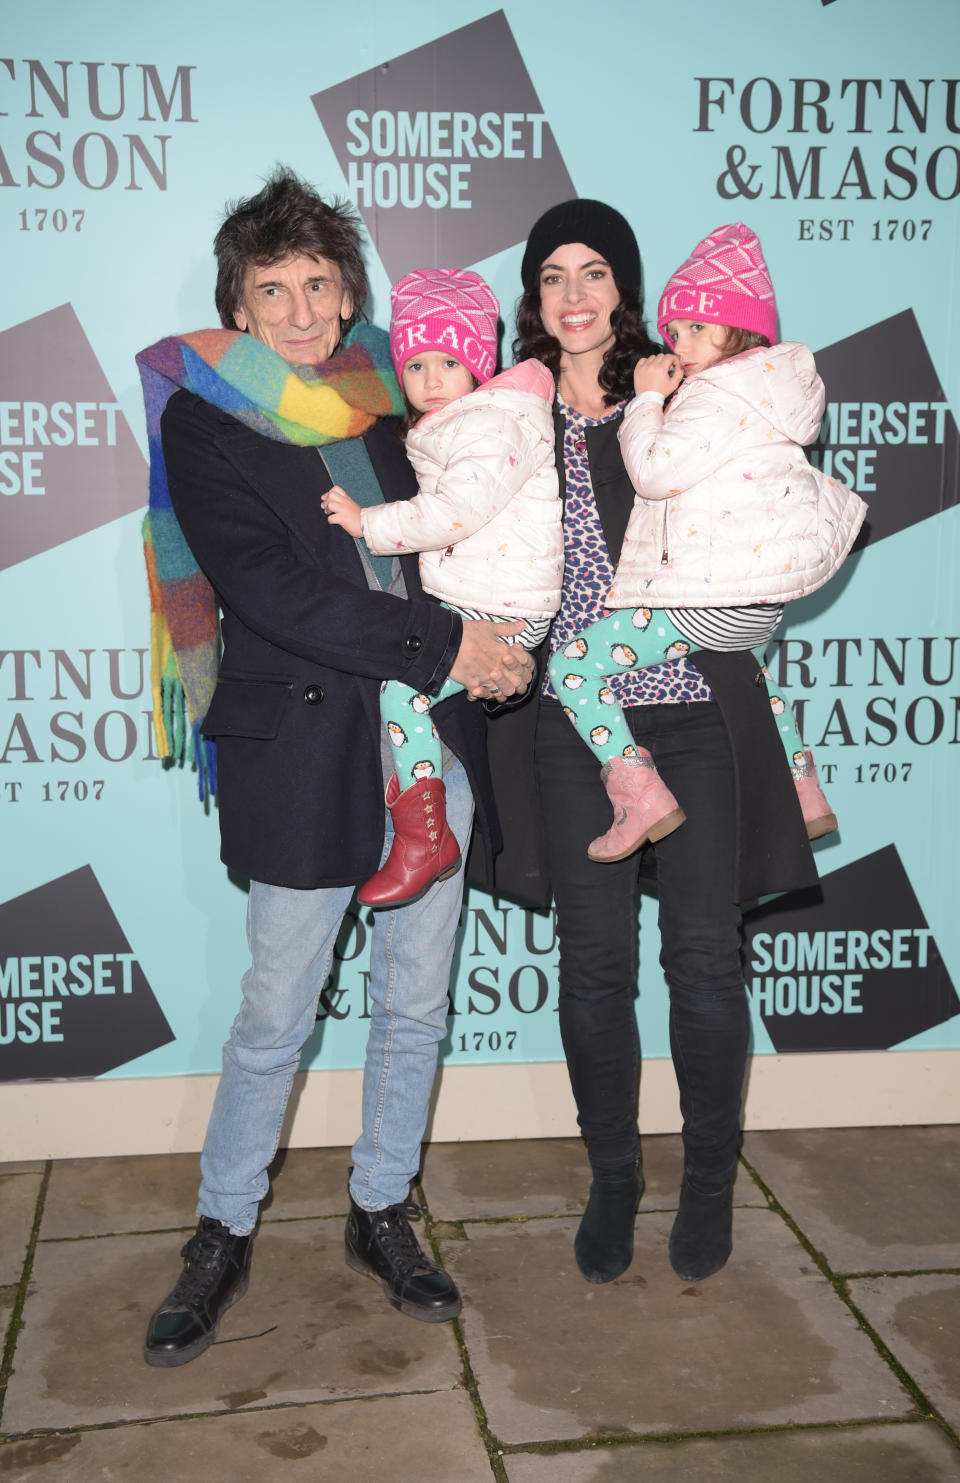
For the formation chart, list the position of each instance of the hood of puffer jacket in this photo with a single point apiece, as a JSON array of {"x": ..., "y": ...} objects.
[
  {"x": 781, "y": 382},
  {"x": 526, "y": 375}
]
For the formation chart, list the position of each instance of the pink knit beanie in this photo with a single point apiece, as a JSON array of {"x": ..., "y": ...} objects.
[
  {"x": 446, "y": 309},
  {"x": 723, "y": 281}
]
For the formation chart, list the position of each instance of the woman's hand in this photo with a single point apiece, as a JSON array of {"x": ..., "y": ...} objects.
[
  {"x": 340, "y": 509},
  {"x": 488, "y": 668},
  {"x": 661, "y": 373}
]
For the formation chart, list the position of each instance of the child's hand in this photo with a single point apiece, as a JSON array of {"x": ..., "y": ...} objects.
[
  {"x": 340, "y": 509},
  {"x": 661, "y": 373}
]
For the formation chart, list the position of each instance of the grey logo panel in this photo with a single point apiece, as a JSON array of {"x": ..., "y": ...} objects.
[
  {"x": 74, "y": 1001},
  {"x": 446, "y": 149},
  {"x": 68, "y": 460},
  {"x": 888, "y": 430},
  {"x": 848, "y": 965}
]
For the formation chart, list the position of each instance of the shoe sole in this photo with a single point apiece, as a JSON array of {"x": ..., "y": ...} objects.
[
  {"x": 817, "y": 828},
  {"x": 435, "y": 1315},
  {"x": 168, "y": 1359},
  {"x": 659, "y": 830},
  {"x": 444, "y": 875},
  {"x": 701, "y": 1276}
]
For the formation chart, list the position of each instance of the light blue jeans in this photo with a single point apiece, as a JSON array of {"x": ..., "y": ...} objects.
[{"x": 291, "y": 936}]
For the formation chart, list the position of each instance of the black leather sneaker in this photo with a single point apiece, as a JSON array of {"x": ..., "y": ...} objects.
[
  {"x": 381, "y": 1245},
  {"x": 216, "y": 1274}
]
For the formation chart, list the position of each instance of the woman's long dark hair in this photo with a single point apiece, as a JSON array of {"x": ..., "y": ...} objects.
[{"x": 630, "y": 342}]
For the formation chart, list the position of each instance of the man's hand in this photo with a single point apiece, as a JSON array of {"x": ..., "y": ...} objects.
[
  {"x": 340, "y": 509},
  {"x": 486, "y": 667}
]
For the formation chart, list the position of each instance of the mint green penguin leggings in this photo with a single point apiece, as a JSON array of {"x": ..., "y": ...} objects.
[
  {"x": 406, "y": 713},
  {"x": 416, "y": 745},
  {"x": 628, "y": 639}
]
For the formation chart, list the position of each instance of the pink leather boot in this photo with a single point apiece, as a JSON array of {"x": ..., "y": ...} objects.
[
  {"x": 643, "y": 807},
  {"x": 817, "y": 813}
]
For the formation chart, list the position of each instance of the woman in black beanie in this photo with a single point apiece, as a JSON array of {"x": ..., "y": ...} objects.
[{"x": 706, "y": 722}]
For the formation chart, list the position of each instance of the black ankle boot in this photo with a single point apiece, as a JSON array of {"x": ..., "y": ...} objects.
[
  {"x": 702, "y": 1235},
  {"x": 603, "y": 1245},
  {"x": 216, "y": 1274},
  {"x": 381, "y": 1245}
]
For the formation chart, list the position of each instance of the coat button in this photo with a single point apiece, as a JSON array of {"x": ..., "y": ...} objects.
[
  {"x": 313, "y": 694},
  {"x": 413, "y": 644}
]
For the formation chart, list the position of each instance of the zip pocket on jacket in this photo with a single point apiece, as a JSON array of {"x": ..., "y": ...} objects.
[{"x": 664, "y": 542}]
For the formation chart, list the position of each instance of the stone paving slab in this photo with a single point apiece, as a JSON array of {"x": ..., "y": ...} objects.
[
  {"x": 309, "y": 1182},
  {"x": 870, "y": 1199},
  {"x": 543, "y": 1176},
  {"x": 404, "y": 1439},
  {"x": 475, "y": 1181},
  {"x": 18, "y": 1204},
  {"x": 327, "y": 1333},
  {"x": 765, "y": 1342},
  {"x": 914, "y": 1453},
  {"x": 919, "y": 1318},
  {"x": 103, "y": 1197},
  {"x": 22, "y": 1166}
]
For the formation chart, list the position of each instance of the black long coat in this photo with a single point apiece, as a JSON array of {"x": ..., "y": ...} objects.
[
  {"x": 773, "y": 853},
  {"x": 306, "y": 643}
]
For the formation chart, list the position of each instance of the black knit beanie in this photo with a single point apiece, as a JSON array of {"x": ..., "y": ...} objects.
[{"x": 595, "y": 225}]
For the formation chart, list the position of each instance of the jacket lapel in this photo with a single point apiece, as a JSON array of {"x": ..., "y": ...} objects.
[
  {"x": 291, "y": 481},
  {"x": 288, "y": 478}
]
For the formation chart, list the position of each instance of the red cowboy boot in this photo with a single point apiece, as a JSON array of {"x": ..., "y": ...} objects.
[
  {"x": 643, "y": 807},
  {"x": 424, "y": 846}
]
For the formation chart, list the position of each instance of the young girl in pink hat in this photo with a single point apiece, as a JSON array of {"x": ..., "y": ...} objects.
[
  {"x": 730, "y": 520},
  {"x": 487, "y": 524}
]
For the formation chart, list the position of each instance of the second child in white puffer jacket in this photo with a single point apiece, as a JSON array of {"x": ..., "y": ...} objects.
[
  {"x": 730, "y": 521},
  {"x": 487, "y": 522}
]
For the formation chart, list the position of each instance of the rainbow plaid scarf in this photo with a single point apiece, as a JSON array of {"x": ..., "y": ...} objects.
[{"x": 306, "y": 405}]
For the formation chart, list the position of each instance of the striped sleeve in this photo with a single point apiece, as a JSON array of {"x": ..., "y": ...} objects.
[{"x": 728, "y": 629}]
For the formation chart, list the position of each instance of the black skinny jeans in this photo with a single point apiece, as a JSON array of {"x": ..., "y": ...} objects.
[{"x": 699, "y": 932}]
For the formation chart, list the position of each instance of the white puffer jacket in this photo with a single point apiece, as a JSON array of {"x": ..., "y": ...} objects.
[
  {"x": 488, "y": 519},
  {"x": 728, "y": 510}
]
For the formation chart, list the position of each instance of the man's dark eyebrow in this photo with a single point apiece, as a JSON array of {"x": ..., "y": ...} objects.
[{"x": 275, "y": 282}]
